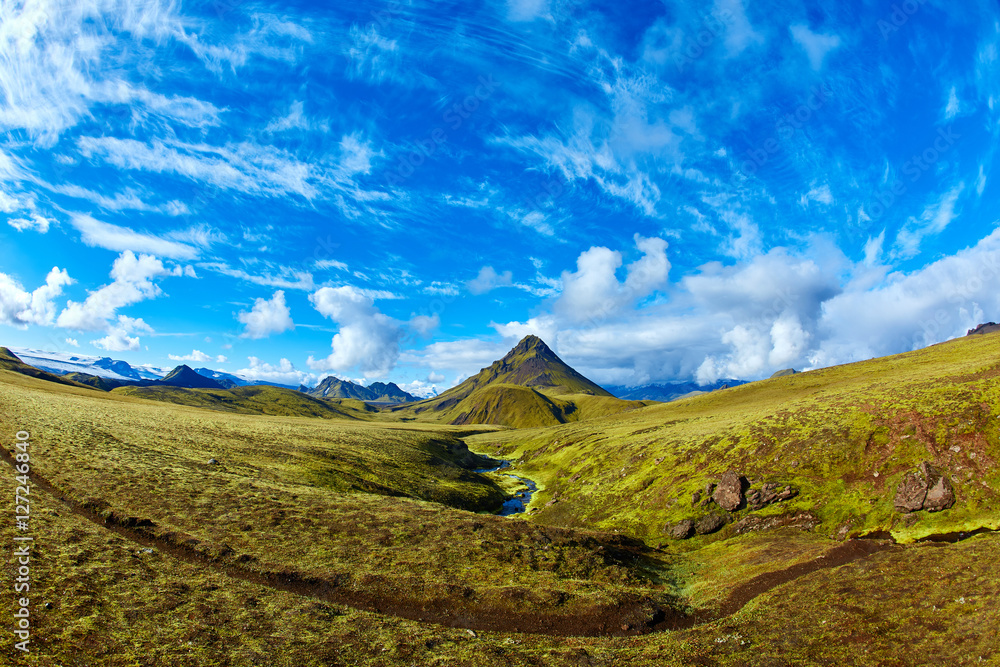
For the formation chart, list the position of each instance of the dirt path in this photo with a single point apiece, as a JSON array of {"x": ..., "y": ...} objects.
[{"x": 631, "y": 618}]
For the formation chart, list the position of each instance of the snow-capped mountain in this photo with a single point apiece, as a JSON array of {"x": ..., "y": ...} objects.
[{"x": 61, "y": 363}]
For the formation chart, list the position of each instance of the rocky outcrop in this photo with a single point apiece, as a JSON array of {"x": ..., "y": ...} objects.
[
  {"x": 709, "y": 524},
  {"x": 729, "y": 493},
  {"x": 989, "y": 327},
  {"x": 681, "y": 530},
  {"x": 768, "y": 494},
  {"x": 925, "y": 489},
  {"x": 798, "y": 520}
]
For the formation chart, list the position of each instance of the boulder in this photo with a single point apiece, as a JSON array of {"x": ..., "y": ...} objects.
[
  {"x": 940, "y": 496},
  {"x": 709, "y": 524},
  {"x": 926, "y": 489},
  {"x": 681, "y": 530},
  {"x": 729, "y": 493},
  {"x": 910, "y": 493}
]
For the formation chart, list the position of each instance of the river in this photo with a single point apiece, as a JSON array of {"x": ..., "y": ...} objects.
[{"x": 519, "y": 502}]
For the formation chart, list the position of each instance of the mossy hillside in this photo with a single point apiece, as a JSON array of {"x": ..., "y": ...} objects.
[
  {"x": 115, "y": 603},
  {"x": 529, "y": 387},
  {"x": 253, "y": 400},
  {"x": 340, "y": 455},
  {"x": 320, "y": 499},
  {"x": 843, "y": 436}
]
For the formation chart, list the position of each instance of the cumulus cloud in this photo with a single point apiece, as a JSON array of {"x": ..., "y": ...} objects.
[
  {"x": 118, "y": 339},
  {"x": 72, "y": 342},
  {"x": 594, "y": 292},
  {"x": 196, "y": 356},
  {"x": 267, "y": 317},
  {"x": 20, "y": 308},
  {"x": 132, "y": 282},
  {"x": 284, "y": 372},
  {"x": 367, "y": 340},
  {"x": 488, "y": 279}
]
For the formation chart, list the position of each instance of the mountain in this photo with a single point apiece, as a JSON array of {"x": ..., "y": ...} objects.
[
  {"x": 785, "y": 373},
  {"x": 669, "y": 391},
  {"x": 989, "y": 327},
  {"x": 184, "y": 376},
  {"x": 11, "y": 362},
  {"x": 61, "y": 363},
  {"x": 376, "y": 392},
  {"x": 529, "y": 387}
]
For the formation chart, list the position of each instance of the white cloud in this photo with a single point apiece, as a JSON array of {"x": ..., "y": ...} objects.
[
  {"x": 287, "y": 278},
  {"x": 118, "y": 339},
  {"x": 112, "y": 237},
  {"x": 244, "y": 167},
  {"x": 282, "y": 373},
  {"x": 8, "y": 204},
  {"x": 527, "y": 10},
  {"x": 367, "y": 340},
  {"x": 740, "y": 34},
  {"x": 934, "y": 220},
  {"x": 20, "y": 308},
  {"x": 981, "y": 181},
  {"x": 72, "y": 342},
  {"x": 196, "y": 356},
  {"x": 593, "y": 291},
  {"x": 488, "y": 279},
  {"x": 817, "y": 46},
  {"x": 132, "y": 282},
  {"x": 952, "y": 107},
  {"x": 267, "y": 317},
  {"x": 37, "y": 222}
]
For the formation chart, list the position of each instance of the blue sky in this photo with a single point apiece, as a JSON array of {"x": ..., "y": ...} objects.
[{"x": 401, "y": 190}]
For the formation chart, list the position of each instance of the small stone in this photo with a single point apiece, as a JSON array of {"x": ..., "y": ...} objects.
[
  {"x": 49, "y": 605},
  {"x": 471, "y": 633},
  {"x": 213, "y": 462},
  {"x": 695, "y": 498}
]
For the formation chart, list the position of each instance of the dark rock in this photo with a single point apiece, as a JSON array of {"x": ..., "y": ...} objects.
[
  {"x": 799, "y": 521},
  {"x": 926, "y": 489},
  {"x": 709, "y": 524},
  {"x": 989, "y": 327},
  {"x": 729, "y": 494},
  {"x": 910, "y": 493},
  {"x": 681, "y": 530},
  {"x": 940, "y": 496}
]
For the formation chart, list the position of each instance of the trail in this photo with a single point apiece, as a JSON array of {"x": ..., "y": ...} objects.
[{"x": 624, "y": 619}]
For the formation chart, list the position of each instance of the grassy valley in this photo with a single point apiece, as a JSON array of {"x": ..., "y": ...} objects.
[{"x": 259, "y": 525}]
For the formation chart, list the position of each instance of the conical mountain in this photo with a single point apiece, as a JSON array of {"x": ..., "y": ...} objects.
[
  {"x": 186, "y": 377},
  {"x": 530, "y": 386}
]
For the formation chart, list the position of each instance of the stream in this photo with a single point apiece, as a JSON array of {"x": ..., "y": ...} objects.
[{"x": 519, "y": 502}]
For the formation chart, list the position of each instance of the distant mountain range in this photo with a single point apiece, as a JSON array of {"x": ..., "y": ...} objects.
[
  {"x": 376, "y": 392},
  {"x": 669, "y": 391}
]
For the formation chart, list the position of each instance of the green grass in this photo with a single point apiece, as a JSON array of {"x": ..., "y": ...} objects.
[
  {"x": 825, "y": 432},
  {"x": 369, "y": 507}
]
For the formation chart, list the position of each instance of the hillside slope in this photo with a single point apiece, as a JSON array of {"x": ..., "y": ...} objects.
[
  {"x": 252, "y": 400},
  {"x": 529, "y": 387},
  {"x": 841, "y": 440}
]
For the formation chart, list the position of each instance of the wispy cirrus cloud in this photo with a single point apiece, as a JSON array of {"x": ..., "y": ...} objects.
[{"x": 114, "y": 237}]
